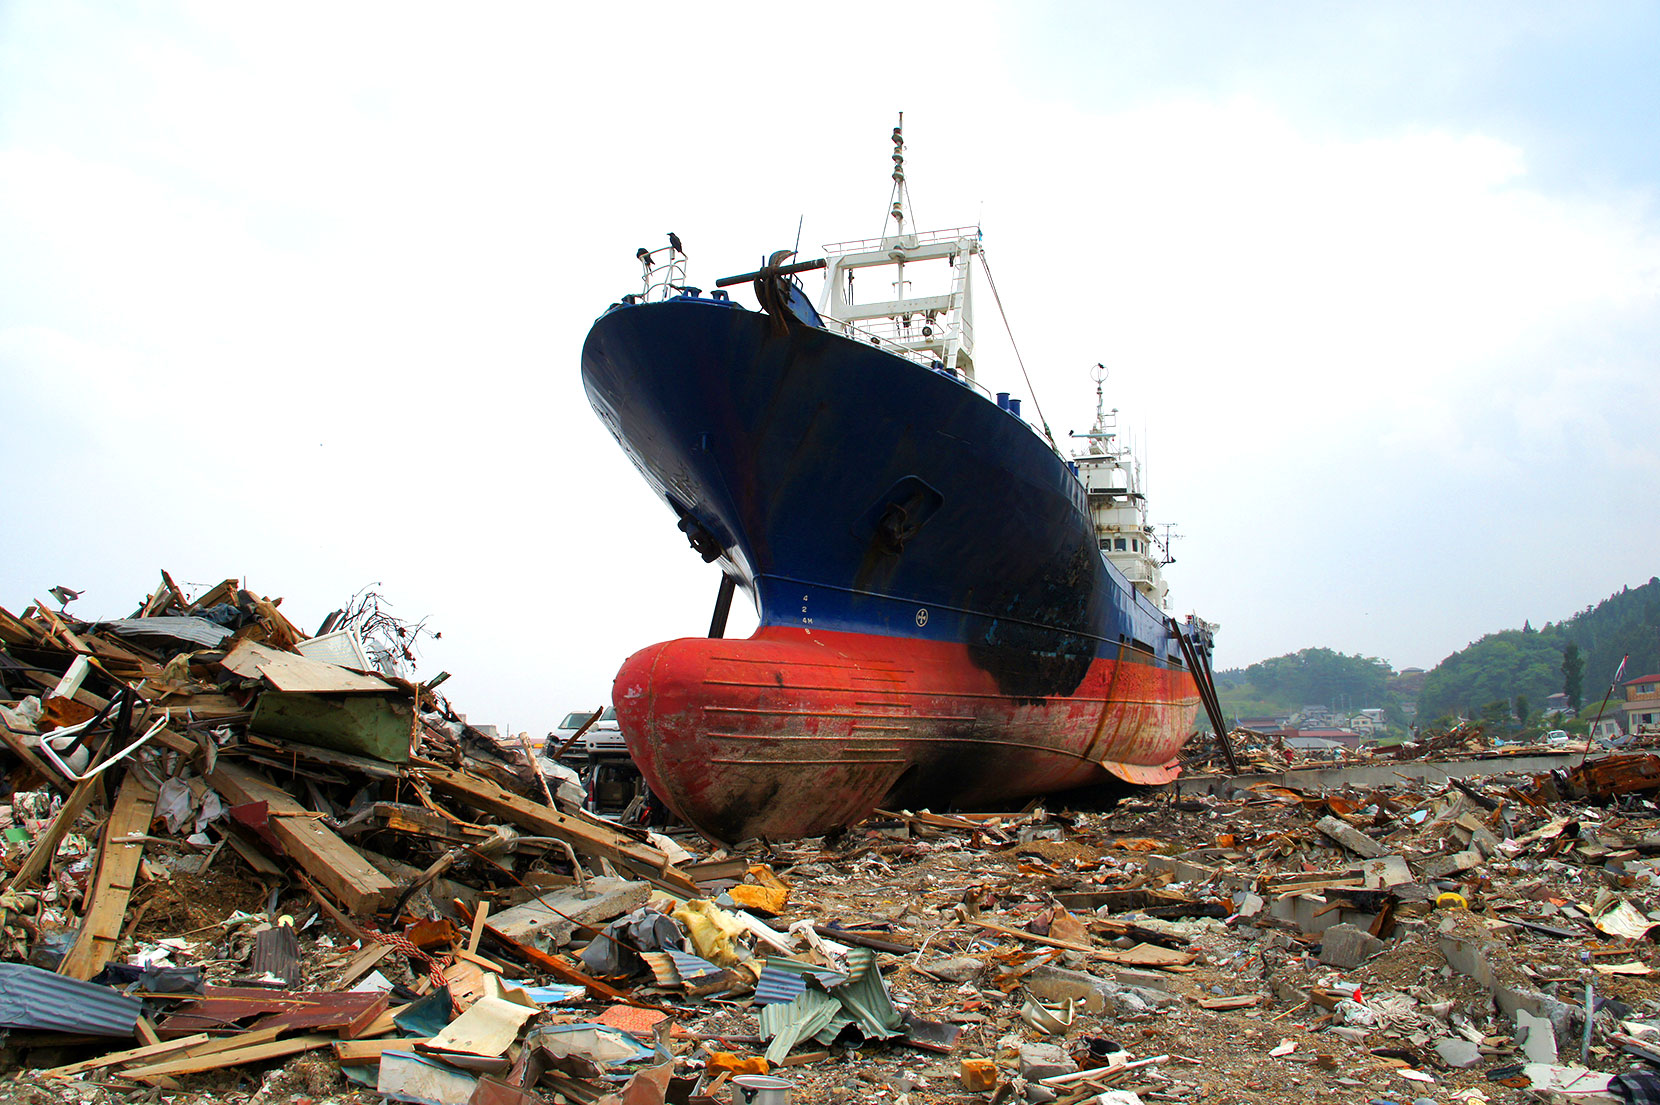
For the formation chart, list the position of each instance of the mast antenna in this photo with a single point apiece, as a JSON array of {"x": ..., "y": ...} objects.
[{"x": 898, "y": 199}]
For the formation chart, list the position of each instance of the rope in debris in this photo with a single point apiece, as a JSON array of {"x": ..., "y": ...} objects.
[{"x": 435, "y": 969}]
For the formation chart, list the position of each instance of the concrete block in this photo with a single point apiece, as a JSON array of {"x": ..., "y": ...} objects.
[
  {"x": 1386, "y": 871},
  {"x": 1536, "y": 1037},
  {"x": 1040, "y": 1061},
  {"x": 1146, "y": 980},
  {"x": 1345, "y": 946},
  {"x": 1057, "y": 984},
  {"x": 1440, "y": 867},
  {"x": 1457, "y": 1053},
  {"x": 1303, "y": 910},
  {"x": 550, "y": 919},
  {"x": 1512, "y": 1000},
  {"x": 1469, "y": 955},
  {"x": 1350, "y": 837},
  {"x": 1158, "y": 999}
]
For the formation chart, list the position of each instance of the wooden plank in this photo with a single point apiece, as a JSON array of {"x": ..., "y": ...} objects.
[
  {"x": 313, "y": 846},
  {"x": 234, "y": 1057},
  {"x": 642, "y": 860},
  {"x": 1107, "y": 954},
  {"x": 367, "y": 1019},
  {"x": 287, "y": 671},
  {"x": 361, "y": 1053},
  {"x": 16, "y": 631},
  {"x": 230, "y": 1043},
  {"x": 361, "y": 964},
  {"x": 116, "y": 1058},
  {"x": 117, "y": 868}
]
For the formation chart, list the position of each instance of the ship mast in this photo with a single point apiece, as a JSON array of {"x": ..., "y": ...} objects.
[
  {"x": 933, "y": 330},
  {"x": 898, "y": 200}
]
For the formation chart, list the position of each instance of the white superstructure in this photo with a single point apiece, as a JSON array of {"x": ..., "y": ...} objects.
[
  {"x": 1111, "y": 475},
  {"x": 868, "y": 285}
]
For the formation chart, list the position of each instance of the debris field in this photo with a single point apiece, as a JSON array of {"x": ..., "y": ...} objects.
[{"x": 247, "y": 865}]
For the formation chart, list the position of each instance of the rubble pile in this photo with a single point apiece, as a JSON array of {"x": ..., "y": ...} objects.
[{"x": 246, "y": 865}]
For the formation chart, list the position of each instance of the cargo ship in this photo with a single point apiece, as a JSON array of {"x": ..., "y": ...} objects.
[{"x": 952, "y": 613}]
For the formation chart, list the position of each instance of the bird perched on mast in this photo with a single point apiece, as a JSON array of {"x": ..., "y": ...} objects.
[
  {"x": 674, "y": 244},
  {"x": 644, "y": 255}
]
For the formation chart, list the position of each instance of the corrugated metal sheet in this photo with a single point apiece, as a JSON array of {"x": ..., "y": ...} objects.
[
  {"x": 676, "y": 968},
  {"x": 786, "y": 1024},
  {"x": 785, "y": 980},
  {"x": 691, "y": 966},
  {"x": 865, "y": 997},
  {"x": 198, "y": 631},
  {"x": 663, "y": 970},
  {"x": 37, "y": 999}
]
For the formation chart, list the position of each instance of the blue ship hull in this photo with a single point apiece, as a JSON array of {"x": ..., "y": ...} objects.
[
  {"x": 869, "y": 501},
  {"x": 791, "y": 448}
]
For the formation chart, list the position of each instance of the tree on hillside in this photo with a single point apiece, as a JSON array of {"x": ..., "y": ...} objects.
[
  {"x": 1319, "y": 675},
  {"x": 1499, "y": 666},
  {"x": 1521, "y": 708},
  {"x": 1573, "y": 674}
]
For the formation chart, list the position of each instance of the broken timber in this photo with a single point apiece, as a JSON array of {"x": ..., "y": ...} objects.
[
  {"x": 587, "y": 836},
  {"x": 315, "y": 847},
  {"x": 118, "y": 859}
]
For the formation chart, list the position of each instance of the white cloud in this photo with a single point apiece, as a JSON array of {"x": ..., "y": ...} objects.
[{"x": 319, "y": 284}]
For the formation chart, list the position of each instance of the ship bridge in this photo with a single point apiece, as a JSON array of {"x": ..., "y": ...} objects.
[{"x": 1112, "y": 478}]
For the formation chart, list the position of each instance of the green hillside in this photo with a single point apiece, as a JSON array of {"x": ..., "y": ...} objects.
[
  {"x": 1530, "y": 663},
  {"x": 1487, "y": 680}
]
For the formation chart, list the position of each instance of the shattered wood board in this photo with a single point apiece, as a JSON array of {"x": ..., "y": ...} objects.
[
  {"x": 118, "y": 861},
  {"x": 380, "y": 726},
  {"x": 330, "y": 757},
  {"x": 288, "y": 672},
  {"x": 236, "y": 1057},
  {"x": 315, "y": 847},
  {"x": 596, "y": 839},
  {"x": 556, "y": 914}
]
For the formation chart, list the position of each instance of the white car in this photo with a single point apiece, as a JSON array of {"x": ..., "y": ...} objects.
[{"x": 603, "y": 737}]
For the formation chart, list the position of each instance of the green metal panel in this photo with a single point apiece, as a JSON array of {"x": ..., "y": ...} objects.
[{"x": 381, "y": 726}]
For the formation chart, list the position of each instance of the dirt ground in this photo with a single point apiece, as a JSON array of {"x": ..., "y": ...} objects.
[{"x": 1315, "y": 1031}]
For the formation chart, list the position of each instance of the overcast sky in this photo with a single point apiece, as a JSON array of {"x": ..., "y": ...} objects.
[{"x": 298, "y": 294}]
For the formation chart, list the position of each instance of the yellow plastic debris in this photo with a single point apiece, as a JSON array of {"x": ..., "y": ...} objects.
[
  {"x": 767, "y": 899},
  {"x": 1449, "y": 900},
  {"x": 726, "y": 1061},
  {"x": 711, "y": 929}
]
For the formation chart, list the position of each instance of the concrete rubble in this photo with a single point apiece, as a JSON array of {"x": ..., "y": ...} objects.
[{"x": 243, "y": 866}]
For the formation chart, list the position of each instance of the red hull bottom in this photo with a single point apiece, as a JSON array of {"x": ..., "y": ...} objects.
[{"x": 795, "y": 732}]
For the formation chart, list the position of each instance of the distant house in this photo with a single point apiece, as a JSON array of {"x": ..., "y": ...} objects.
[
  {"x": 1347, "y": 737},
  {"x": 1558, "y": 704},
  {"x": 1606, "y": 729},
  {"x": 1262, "y": 724},
  {"x": 1368, "y": 721},
  {"x": 1315, "y": 744},
  {"x": 1641, "y": 708}
]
